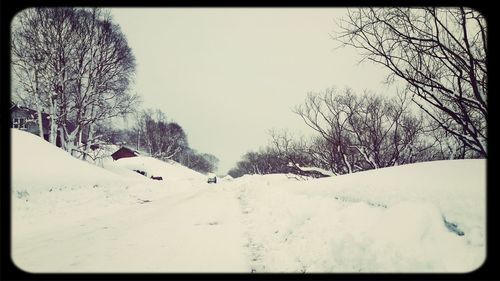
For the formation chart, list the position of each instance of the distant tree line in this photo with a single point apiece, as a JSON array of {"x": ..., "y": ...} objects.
[
  {"x": 153, "y": 134},
  {"x": 440, "y": 53}
]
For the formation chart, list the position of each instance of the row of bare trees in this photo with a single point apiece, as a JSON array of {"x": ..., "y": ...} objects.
[
  {"x": 167, "y": 141},
  {"x": 439, "y": 53},
  {"x": 75, "y": 65},
  {"x": 354, "y": 133},
  {"x": 152, "y": 133},
  {"x": 362, "y": 132}
]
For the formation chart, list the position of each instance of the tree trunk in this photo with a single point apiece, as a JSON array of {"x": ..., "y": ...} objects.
[
  {"x": 90, "y": 136},
  {"x": 40, "y": 124},
  {"x": 53, "y": 123},
  {"x": 38, "y": 107}
]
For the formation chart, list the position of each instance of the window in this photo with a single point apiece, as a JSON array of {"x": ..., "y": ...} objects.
[
  {"x": 19, "y": 123},
  {"x": 22, "y": 123}
]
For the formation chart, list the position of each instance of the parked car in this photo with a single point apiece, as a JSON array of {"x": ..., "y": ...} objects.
[{"x": 212, "y": 178}]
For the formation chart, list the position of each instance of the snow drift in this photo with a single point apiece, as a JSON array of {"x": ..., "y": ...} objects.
[
  {"x": 46, "y": 180},
  {"x": 154, "y": 167},
  {"x": 37, "y": 161},
  {"x": 426, "y": 217}
]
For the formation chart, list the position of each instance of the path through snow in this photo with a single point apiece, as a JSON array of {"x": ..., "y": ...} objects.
[{"x": 196, "y": 231}]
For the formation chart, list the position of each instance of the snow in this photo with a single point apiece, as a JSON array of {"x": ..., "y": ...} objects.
[
  {"x": 71, "y": 216},
  {"x": 227, "y": 178},
  {"x": 101, "y": 154},
  {"x": 37, "y": 161},
  {"x": 155, "y": 167},
  {"x": 322, "y": 171},
  {"x": 76, "y": 217},
  {"x": 385, "y": 220}
]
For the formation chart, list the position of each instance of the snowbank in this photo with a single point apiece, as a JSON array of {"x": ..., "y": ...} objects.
[
  {"x": 426, "y": 217},
  {"x": 312, "y": 169},
  {"x": 36, "y": 161},
  {"x": 170, "y": 170},
  {"x": 71, "y": 216},
  {"x": 51, "y": 186},
  {"x": 227, "y": 178}
]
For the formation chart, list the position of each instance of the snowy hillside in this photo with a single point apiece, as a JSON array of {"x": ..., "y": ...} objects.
[
  {"x": 37, "y": 161},
  {"x": 154, "y": 167},
  {"x": 47, "y": 180},
  {"x": 71, "y": 216}
]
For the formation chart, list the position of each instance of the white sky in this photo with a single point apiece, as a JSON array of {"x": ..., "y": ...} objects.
[{"x": 228, "y": 75}]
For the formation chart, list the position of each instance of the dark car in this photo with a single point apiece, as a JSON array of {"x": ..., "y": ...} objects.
[{"x": 212, "y": 179}]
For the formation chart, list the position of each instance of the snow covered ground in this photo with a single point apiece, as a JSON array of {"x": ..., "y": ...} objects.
[
  {"x": 71, "y": 216},
  {"x": 427, "y": 217}
]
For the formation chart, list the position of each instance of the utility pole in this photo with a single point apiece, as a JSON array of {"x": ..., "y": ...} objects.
[{"x": 138, "y": 139}]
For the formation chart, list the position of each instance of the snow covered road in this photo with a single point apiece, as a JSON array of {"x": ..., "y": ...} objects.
[
  {"x": 196, "y": 231},
  {"x": 253, "y": 224}
]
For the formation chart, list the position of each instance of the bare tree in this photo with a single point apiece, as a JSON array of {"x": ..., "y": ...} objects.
[
  {"x": 162, "y": 139},
  {"x": 58, "y": 41},
  {"x": 254, "y": 163},
  {"x": 201, "y": 162},
  {"x": 288, "y": 148},
  {"x": 78, "y": 66},
  {"x": 27, "y": 63},
  {"x": 440, "y": 53},
  {"x": 103, "y": 70},
  {"x": 328, "y": 115},
  {"x": 362, "y": 132},
  {"x": 324, "y": 155},
  {"x": 37, "y": 58}
]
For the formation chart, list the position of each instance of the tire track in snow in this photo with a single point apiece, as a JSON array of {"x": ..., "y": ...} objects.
[{"x": 255, "y": 249}]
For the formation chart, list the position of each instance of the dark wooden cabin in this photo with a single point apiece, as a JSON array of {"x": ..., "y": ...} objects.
[{"x": 124, "y": 152}]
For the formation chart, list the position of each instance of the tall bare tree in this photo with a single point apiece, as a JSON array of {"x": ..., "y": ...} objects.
[
  {"x": 79, "y": 68},
  {"x": 440, "y": 53},
  {"x": 103, "y": 87},
  {"x": 38, "y": 57},
  {"x": 328, "y": 116}
]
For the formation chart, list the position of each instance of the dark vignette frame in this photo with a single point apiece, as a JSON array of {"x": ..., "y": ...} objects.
[{"x": 8, "y": 270}]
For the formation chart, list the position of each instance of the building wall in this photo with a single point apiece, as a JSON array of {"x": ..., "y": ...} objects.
[
  {"x": 23, "y": 120},
  {"x": 27, "y": 120},
  {"x": 123, "y": 153}
]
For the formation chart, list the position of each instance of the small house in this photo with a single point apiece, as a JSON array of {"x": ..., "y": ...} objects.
[
  {"x": 26, "y": 119},
  {"x": 124, "y": 152}
]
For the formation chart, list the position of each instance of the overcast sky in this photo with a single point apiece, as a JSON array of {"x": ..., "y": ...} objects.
[{"x": 228, "y": 75}]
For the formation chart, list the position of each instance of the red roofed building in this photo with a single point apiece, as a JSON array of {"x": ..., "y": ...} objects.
[{"x": 124, "y": 152}]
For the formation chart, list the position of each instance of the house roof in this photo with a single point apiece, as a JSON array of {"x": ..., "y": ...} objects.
[
  {"x": 32, "y": 113},
  {"x": 123, "y": 151},
  {"x": 27, "y": 109}
]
